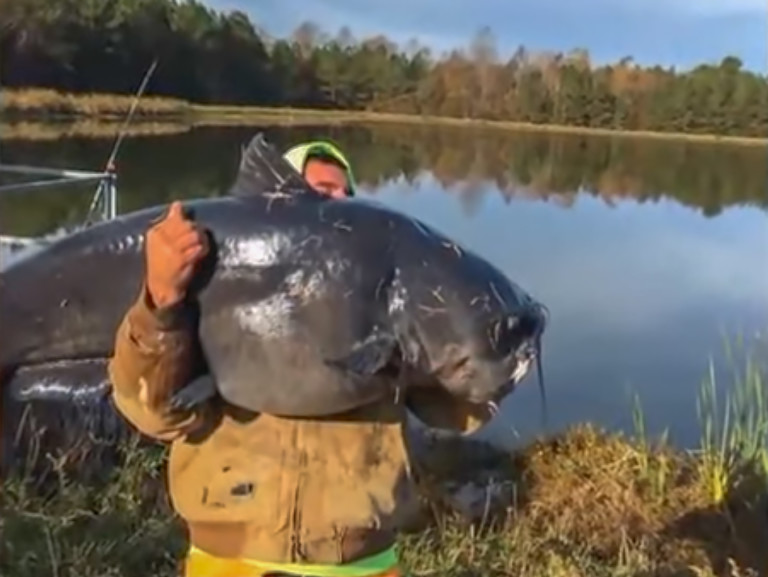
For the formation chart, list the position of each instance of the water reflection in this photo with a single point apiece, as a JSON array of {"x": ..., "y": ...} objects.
[
  {"x": 466, "y": 163},
  {"x": 640, "y": 297},
  {"x": 645, "y": 251}
]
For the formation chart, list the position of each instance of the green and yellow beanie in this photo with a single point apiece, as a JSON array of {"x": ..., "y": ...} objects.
[{"x": 298, "y": 156}]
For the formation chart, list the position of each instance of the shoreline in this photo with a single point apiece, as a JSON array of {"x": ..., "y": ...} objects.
[
  {"x": 216, "y": 115},
  {"x": 27, "y": 110}
]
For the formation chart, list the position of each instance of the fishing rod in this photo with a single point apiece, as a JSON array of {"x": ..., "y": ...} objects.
[
  {"x": 106, "y": 191},
  {"x": 105, "y": 178}
]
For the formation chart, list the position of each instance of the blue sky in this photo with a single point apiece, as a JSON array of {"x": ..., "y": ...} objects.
[{"x": 669, "y": 32}]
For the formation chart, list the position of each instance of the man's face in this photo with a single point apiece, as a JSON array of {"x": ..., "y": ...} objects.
[{"x": 326, "y": 178}]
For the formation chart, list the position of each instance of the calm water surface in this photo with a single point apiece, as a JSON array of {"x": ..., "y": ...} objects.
[{"x": 648, "y": 253}]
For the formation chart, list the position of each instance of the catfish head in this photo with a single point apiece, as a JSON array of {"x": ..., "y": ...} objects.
[
  {"x": 465, "y": 327},
  {"x": 453, "y": 321}
]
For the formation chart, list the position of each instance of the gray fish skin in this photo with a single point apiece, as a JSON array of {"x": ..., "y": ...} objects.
[
  {"x": 308, "y": 306},
  {"x": 285, "y": 294}
]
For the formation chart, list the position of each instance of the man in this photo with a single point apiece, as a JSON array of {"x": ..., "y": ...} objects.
[
  {"x": 324, "y": 167},
  {"x": 263, "y": 495}
]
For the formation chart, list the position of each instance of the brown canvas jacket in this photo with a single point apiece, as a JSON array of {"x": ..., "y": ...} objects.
[{"x": 262, "y": 487}]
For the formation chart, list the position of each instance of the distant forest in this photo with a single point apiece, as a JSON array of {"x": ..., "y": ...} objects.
[{"x": 208, "y": 56}]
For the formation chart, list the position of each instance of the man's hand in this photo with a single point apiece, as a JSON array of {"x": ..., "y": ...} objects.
[{"x": 174, "y": 246}]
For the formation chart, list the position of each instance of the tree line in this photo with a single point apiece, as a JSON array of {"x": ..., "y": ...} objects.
[
  {"x": 209, "y": 56},
  {"x": 708, "y": 178}
]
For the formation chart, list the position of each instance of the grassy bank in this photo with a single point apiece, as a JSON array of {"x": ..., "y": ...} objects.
[
  {"x": 584, "y": 503},
  {"x": 46, "y": 105}
]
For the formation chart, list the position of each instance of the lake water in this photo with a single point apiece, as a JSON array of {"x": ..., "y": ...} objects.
[{"x": 648, "y": 253}]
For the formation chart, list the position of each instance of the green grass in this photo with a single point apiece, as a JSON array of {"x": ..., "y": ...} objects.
[
  {"x": 735, "y": 440},
  {"x": 582, "y": 503}
]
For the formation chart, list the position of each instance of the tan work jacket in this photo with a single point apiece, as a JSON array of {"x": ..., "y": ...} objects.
[{"x": 262, "y": 487}]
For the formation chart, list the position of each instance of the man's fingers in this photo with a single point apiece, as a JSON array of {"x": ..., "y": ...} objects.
[
  {"x": 184, "y": 249},
  {"x": 204, "y": 243},
  {"x": 188, "y": 239},
  {"x": 185, "y": 274},
  {"x": 169, "y": 230},
  {"x": 176, "y": 228},
  {"x": 192, "y": 254}
]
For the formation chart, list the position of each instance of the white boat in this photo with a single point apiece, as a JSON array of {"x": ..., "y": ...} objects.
[{"x": 103, "y": 205}]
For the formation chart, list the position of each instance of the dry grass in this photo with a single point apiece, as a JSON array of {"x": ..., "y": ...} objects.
[
  {"x": 584, "y": 507},
  {"x": 43, "y": 104},
  {"x": 46, "y": 102}
]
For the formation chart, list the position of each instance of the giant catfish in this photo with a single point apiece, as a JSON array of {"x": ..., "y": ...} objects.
[{"x": 307, "y": 306}]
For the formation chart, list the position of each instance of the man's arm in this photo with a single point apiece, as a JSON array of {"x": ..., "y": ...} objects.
[
  {"x": 154, "y": 357},
  {"x": 156, "y": 346}
]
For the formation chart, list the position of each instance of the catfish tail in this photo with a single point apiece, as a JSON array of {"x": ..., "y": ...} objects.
[{"x": 60, "y": 416}]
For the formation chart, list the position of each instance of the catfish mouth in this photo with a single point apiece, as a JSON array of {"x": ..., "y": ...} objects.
[
  {"x": 524, "y": 360},
  {"x": 527, "y": 352}
]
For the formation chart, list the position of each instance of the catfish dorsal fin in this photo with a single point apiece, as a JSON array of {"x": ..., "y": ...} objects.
[{"x": 263, "y": 170}]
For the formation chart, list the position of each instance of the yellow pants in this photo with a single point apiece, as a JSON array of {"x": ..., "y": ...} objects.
[{"x": 201, "y": 564}]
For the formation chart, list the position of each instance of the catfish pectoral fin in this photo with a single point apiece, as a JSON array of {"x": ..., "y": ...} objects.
[
  {"x": 368, "y": 357},
  {"x": 197, "y": 392}
]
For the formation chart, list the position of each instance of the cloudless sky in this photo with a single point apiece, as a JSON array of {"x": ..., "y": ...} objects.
[{"x": 682, "y": 33}]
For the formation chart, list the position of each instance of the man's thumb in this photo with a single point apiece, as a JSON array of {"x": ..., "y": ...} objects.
[{"x": 174, "y": 211}]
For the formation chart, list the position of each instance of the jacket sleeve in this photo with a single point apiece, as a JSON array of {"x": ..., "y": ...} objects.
[
  {"x": 154, "y": 356},
  {"x": 438, "y": 409}
]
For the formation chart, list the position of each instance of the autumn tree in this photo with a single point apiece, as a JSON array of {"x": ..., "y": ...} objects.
[{"x": 210, "y": 56}]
